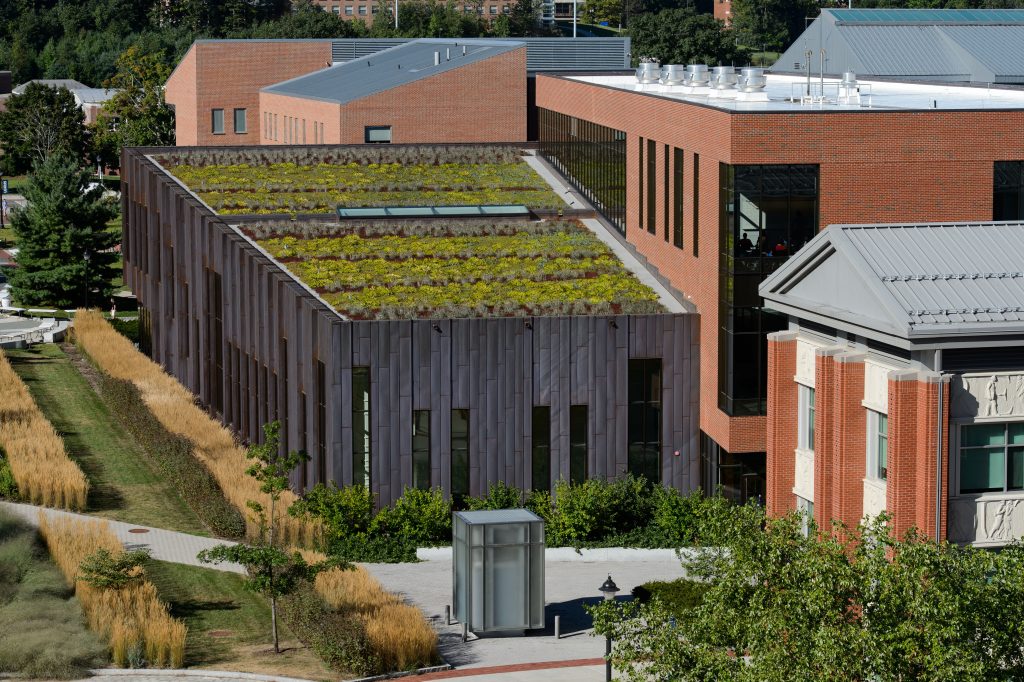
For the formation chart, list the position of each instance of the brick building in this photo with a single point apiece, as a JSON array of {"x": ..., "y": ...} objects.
[
  {"x": 899, "y": 383},
  {"x": 717, "y": 186},
  {"x": 368, "y": 11}
]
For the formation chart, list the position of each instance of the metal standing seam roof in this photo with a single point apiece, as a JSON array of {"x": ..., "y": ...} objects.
[
  {"x": 390, "y": 68},
  {"x": 922, "y": 51},
  {"x": 939, "y": 279},
  {"x": 927, "y": 16},
  {"x": 487, "y": 516}
]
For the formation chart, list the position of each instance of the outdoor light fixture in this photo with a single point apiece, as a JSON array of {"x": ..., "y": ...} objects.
[{"x": 608, "y": 590}]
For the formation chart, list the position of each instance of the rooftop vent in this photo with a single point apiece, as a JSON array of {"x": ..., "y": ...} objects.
[
  {"x": 649, "y": 70},
  {"x": 723, "y": 78},
  {"x": 752, "y": 80},
  {"x": 698, "y": 74},
  {"x": 673, "y": 74}
]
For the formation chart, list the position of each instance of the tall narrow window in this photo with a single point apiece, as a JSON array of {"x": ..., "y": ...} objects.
[
  {"x": 878, "y": 445},
  {"x": 665, "y": 192},
  {"x": 640, "y": 175},
  {"x": 217, "y": 121},
  {"x": 677, "y": 198},
  {"x": 460, "y": 453},
  {"x": 541, "y": 450},
  {"x": 696, "y": 202},
  {"x": 1008, "y": 190},
  {"x": 361, "y": 426},
  {"x": 421, "y": 449},
  {"x": 644, "y": 427},
  {"x": 241, "y": 125},
  {"x": 321, "y": 422},
  {"x": 805, "y": 419},
  {"x": 578, "y": 427},
  {"x": 652, "y": 186}
]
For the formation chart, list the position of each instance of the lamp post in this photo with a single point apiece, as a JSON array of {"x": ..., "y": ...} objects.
[
  {"x": 608, "y": 590},
  {"x": 86, "y": 256}
]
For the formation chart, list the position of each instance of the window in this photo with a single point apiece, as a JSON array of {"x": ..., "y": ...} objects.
[
  {"x": 696, "y": 202},
  {"x": 240, "y": 123},
  {"x": 640, "y": 178},
  {"x": 1008, "y": 190},
  {"x": 578, "y": 427},
  {"x": 460, "y": 453},
  {"x": 644, "y": 425},
  {"x": 592, "y": 157},
  {"x": 378, "y": 134},
  {"x": 805, "y": 419},
  {"x": 349, "y": 10},
  {"x": 991, "y": 458},
  {"x": 767, "y": 212},
  {"x": 421, "y": 449},
  {"x": 336, "y": 9},
  {"x": 540, "y": 457},
  {"x": 374, "y": 9},
  {"x": 878, "y": 445},
  {"x": 494, "y": 9},
  {"x": 652, "y": 183},
  {"x": 677, "y": 198},
  {"x": 362, "y": 9},
  {"x": 665, "y": 191},
  {"x": 806, "y": 509},
  {"x": 361, "y": 426},
  {"x": 217, "y": 122}
]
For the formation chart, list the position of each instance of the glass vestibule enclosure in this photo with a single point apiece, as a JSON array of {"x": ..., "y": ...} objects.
[{"x": 498, "y": 570}]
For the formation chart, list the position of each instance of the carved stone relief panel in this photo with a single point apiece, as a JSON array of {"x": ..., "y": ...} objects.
[
  {"x": 803, "y": 480},
  {"x": 993, "y": 395},
  {"x": 988, "y": 521},
  {"x": 805, "y": 362},
  {"x": 875, "y": 497},
  {"x": 876, "y": 385}
]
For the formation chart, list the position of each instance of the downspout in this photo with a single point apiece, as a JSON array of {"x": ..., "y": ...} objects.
[{"x": 938, "y": 450}]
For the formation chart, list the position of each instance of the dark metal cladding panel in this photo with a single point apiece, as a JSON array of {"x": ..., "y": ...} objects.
[{"x": 618, "y": 454}]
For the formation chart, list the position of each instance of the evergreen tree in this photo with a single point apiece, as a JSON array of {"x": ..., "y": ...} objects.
[{"x": 65, "y": 256}]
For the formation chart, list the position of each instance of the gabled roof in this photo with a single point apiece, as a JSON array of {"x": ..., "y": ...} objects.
[
  {"x": 68, "y": 83},
  {"x": 390, "y": 68},
  {"x": 907, "y": 283},
  {"x": 980, "y": 46},
  {"x": 93, "y": 95}
]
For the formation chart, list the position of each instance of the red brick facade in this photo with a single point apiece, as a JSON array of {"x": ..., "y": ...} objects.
[
  {"x": 874, "y": 166},
  {"x": 782, "y": 422},
  {"x": 484, "y": 101}
]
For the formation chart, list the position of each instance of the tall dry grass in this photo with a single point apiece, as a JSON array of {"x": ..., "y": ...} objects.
[
  {"x": 35, "y": 452},
  {"x": 176, "y": 409},
  {"x": 398, "y": 632},
  {"x": 133, "y": 619}
]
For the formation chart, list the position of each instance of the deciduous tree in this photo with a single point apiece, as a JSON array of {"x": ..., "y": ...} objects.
[
  {"x": 682, "y": 36},
  {"x": 38, "y": 123}
]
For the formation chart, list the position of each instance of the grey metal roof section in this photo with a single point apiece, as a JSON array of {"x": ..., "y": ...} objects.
[
  {"x": 489, "y": 516},
  {"x": 908, "y": 282},
  {"x": 390, "y": 68},
  {"x": 93, "y": 95},
  {"x": 979, "y": 46},
  {"x": 542, "y": 54},
  {"x": 56, "y": 83}
]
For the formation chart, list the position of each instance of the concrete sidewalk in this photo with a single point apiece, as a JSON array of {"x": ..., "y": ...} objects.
[{"x": 164, "y": 545}]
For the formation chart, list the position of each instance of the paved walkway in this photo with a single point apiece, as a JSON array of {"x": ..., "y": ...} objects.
[{"x": 164, "y": 545}]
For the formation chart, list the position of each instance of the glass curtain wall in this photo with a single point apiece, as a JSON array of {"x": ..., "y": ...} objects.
[
  {"x": 1008, "y": 191},
  {"x": 767, "y": 212},
  {"x": 592, "y": 157}
]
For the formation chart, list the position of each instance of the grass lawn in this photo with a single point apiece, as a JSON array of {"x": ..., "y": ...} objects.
[
  {"x": 229, "y": 626},
  {"x": 126, "y": 486},
  {"x": 42, "y": 633}
]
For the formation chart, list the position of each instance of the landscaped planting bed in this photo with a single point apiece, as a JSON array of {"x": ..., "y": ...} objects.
[
  {"x": 313, "y": 181},
  {"x": 475, "y": 268}
]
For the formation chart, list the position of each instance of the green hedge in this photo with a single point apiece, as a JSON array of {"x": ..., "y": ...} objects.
[
  {"x": 678, "y": 596},
  {"x": 338, "y": 639},
  {"x": 175, "y": 455}
]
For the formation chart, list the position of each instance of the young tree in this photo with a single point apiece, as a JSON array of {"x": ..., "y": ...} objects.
[
  {"x": 771, "y": 24},
  {"x": 272, "y": 572},
  {"x": 104, "y": 570},
  {"x": 681, "y": 36},
  {"x": 65, "y": 256},
  {"x": 137, "y": 115},
  {"x": 39, "y": 123}
]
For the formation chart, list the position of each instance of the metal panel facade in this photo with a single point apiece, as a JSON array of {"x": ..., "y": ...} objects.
[{"x": 251, "y": 354}]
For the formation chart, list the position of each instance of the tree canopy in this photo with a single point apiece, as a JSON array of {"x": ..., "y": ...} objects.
[
  {"x": 65, "y": 256},
  {"x": 682, "y": 36},
  {"x": 38, "y": 123}
]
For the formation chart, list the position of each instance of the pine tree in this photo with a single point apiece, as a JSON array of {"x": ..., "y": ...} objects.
[{"x": 65, "y": 255}]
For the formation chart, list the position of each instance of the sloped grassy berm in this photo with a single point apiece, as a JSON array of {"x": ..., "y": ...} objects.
[
  {"x": 316, "y": 180},
  {"x": 464, "y": 268}
]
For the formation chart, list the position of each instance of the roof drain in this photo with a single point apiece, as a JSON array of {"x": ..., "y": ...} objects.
[{"x": 437, "y": 58}]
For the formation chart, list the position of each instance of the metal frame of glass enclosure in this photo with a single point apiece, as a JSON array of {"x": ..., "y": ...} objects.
[{"x": 498, "y": 569}]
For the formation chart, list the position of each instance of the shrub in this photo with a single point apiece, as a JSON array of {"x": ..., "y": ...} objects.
[
  {"x": 677, "y": 596},
  {"x": 105, "y": 570},
  {"x": 8, "y": 486},
  {"x": 423, "y": 517},
  {"x": 176, "y": 457},
  {"x": 500, "y": 495},
  {"x": 345, "y": 510},
  {"x": 596, "y": 509},
  {"x": 35, "y": 453}
]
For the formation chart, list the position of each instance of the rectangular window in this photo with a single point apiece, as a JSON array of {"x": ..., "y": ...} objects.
[
  {"x": 805, "y": 418},
  {"x": 644, "y": 419},
  {"x": 696, "y": 202},
  {"x": 240, "y": 123},
  {"x": 652, "y": 186},
  {"x": 766, "y": 213},
  {"x": 336, "y": 9},
  {"x": 1008, "y": 190},
  {"x": 217, "y": 121},
  {"x": 592, "y": 157},
  {"x": 640, "y": 175},
  {"x": 806, "y": 509},
  {"x": 362, "y": 9},
  {"x": 421, "y": 449},
  {"x": 991, "y": 458},
  {"x": 460, "y": 453},
  {"x": 494, "y": 9},
  {"x": 377, "y": 134},
  {"x": 361, "y": 442},
  {"x": 878, "y": 445},
  {"x": 578, "y": 428},
  {"x": 540, "y": 456},
  {"x": 349, "y": 10},
  {"x": 665, "y": 192},
  {"x": 677, "y": 198}
]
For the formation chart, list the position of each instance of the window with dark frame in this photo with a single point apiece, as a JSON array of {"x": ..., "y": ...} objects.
[
  {"x": 640, "y": 178},
  {"x": 460, "y": 453},
  {"x": 696, "y": 204},
  {"x": 1008, "y": 190},
  {"x": 377, "y": 134},
  {"x": 421, "y": 449},
  {"x": 652, "y": 187},
  {"x": 665, "y": 192},
  {"x": 677, "y": 197},
  {"x": 644, "y": 418},
  {"x": 217, "y": 121},
  {"x": 240, "y": 122},
  {"x": 991, "y": 457},
  {"x": 540, "y": 450},
  {"x": 361, "y": 443},
  {"x": 578, "y": 428}
]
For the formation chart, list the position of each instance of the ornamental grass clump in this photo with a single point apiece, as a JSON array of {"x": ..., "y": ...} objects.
[
  {"x": 176, "y": 409},
  {"x": 136, "y": 624},
  {"x": 35, "y": 454}
]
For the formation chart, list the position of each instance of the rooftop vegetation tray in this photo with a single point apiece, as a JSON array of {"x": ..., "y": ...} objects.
[
  {"x": 321, "y": 179},
  {"x": 463, "y": 268}
]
